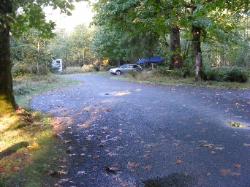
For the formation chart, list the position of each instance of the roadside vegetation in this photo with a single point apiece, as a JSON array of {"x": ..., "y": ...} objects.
[
  {"x": 222, "y": 46},
  {"x": 30, "y": 153},
  {"x": 175, "y": 79}
]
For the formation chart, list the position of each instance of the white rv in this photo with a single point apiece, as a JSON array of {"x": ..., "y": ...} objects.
[{"x": 57, "y": 65}]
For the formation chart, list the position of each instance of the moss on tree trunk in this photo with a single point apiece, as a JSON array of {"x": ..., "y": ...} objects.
[{"x": 7, "y": 101}]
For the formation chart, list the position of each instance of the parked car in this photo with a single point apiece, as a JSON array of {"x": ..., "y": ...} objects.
[{"x": 125, "y": 69}]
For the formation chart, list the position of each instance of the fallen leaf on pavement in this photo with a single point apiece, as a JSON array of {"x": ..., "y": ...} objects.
[
  {"x": 238, "y": 166},
  {"x": 147, "y": 167},
  {"x": 178, "y": 161},
  {"x": 225, "y": 172},
  {"x": 132, "y": 165}
]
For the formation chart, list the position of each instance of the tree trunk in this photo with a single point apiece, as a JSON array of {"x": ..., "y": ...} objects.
[
  {"x": 7, "y": 101},
  {"x": 175, "y": 47},
  {"x": 196, "y": 33}
]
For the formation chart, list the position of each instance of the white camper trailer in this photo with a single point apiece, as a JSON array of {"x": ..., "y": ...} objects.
[{"x": 57, "y": 65}]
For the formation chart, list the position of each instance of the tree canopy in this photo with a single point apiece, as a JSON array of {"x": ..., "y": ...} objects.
[
  {"x": 18, "y": 17},
  {"x": 196, "y": 21}
]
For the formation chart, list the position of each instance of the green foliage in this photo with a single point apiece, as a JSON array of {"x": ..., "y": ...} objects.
[
  {"x": 21, "y": 69},
  {"x": 120, "y": 22},
  {"x": 30, "y": 54},
  {"x": 74, "y": 48},
  {"x": 117, "y": 44},
  {"x": 122, "y": 32},
  {"x": 21, "y": 16},
  {"x": 233, "y": 74},
  {"x": 236, "y": 75}
]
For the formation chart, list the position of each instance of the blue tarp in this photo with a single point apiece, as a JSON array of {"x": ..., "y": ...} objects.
[{"x": 154, "y": 60}]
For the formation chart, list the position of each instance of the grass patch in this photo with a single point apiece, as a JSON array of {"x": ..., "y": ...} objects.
[
  {"x": 152, "y": 77},
  {"x": 73, "y": 70},
  {"x": 84, "y": 69},
  {"x": 29, "y": 151},
  {"x": 26, "y": 87}
]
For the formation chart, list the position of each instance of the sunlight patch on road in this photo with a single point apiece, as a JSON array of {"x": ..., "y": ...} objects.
[
  {"x": 117, "y": 93},
  {"x": 121, "y": 93},
  {"x": 237, "y": 124}
]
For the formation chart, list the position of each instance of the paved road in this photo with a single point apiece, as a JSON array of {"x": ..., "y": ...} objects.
[{"x": 124, "y": 134}]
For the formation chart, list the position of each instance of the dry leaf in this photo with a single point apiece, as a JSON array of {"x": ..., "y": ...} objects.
[
  {"x": 178, "y": 161},
  {"x": 238, "y": 166},
  {"x": 147, "y": 167},
  {"x": 132, "y": 165},
  {"x": 225, "y": 172},
  {"x": 33, "y": 146}
]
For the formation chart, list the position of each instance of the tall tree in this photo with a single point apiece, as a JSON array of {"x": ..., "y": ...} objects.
[
  {"x": 16, "y": 17},
  {"x": 132, "y": 38},
  {"x": 7, "y": 101},
  {"x": 210, "y": 19}
]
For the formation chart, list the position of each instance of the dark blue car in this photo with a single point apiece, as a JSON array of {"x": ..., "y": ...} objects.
[{"x": 151, "y": 60}]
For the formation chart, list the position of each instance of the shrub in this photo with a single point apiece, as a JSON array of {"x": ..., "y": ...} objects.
[
  {"x": 233, "y": 74},
  {"x": 89, "y": 68},
  {"x": 42, "y": 69},
  {"x": 236, "y": 75},
  {"x": 20, "y": 69},
  {"x": 209, "y": 74}
]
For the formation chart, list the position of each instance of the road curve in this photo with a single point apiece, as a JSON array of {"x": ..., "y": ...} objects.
[{"x": 123, "y": 134}]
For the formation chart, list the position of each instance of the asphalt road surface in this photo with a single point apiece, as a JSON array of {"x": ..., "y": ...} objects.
[{"x": 120, "y": 133}]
